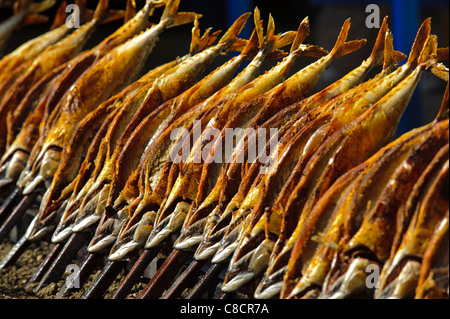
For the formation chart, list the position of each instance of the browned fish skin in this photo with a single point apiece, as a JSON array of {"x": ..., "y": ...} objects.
[{"x": 127, "y": 167}]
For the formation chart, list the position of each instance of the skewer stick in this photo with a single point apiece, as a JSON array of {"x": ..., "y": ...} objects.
[
  {"x": 44, "y": 265},
  {"x": 16, "y": 215},
  {"x": 15, "y": 253},
  {"x": 206, "y": 281},
  {"x": 66, "y": 255},
  {"x": 135, "y": 273},
  {"x": 89, "y": 264},
  {"x": 186, "y": 280},
  {"x": 104, "y": 279},
  {"x": 8, "y": 203},
  {"x": 165, "y": 273}
]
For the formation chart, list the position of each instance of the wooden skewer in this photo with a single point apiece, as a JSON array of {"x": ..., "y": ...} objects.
[
  {"x": 15, "y": 253},
  {"x": 16, "y": 215},
  {"x": 135, "y": 273},
  {"x": 164, "y": 275},
  {"x": 67, "y": 254},
  {"x": 44, "y": 265},
  {"x": 9, "y": 202},
  {"x": 105, "y": 279},
  {"x": 186, "y": 280},
  {"x": 89, "y": 264},
  {"x": 206, "y": 281}
]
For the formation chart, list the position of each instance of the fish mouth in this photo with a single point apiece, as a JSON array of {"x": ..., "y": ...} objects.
[
  {"x": 85, "y": 223},
  {"x": 206, "y": 252},
  {"x": 62, "y": 234},
  {"x": 224, "y": 253},
  {"x": 270, "y": 291},
  {"x": 37, "y": 233},
  {"x": 270, "y": 286},
  {"x": 98, "y": 245},
  {"x": 188, "y": 242},
  {"x": 238, "y": 281},
  {"x": 123, "y": 250}
]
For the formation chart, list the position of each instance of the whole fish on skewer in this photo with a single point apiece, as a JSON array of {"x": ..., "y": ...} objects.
[
  {"x": 295, "y": 207},
  {"x": 25, "y": 13},
  {"x": 223, "y": 187},
  {"x": 111, "y": 139},
  {"x": 105, "y": 78},
  {"x": 58, "y": 83},
  {"x": 241, "y": 79}
]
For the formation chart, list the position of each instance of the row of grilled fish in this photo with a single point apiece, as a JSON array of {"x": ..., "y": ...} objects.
[{"x": 103, "y": 147}]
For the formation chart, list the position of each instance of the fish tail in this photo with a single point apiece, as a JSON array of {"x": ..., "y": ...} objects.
[
  {"x": 38, "y": 7},
  {"x": 100, "y": 11},
  {"x": 199, "y": 42},
  {"x": 300, "y": 49},
  {"x": 231, "y": 36},
  {"x": 280, "y": 40},
  {"x": 130, "y": 10},
  {"x": 378, "y": 52},
  {"x": 342, "y": 47},
  {"x": 31, "y": 11},
  {"x": 174, "y": 18},
  {"x": 302, "y": 33},
  {"x": 419, "y": 42},
  {"x": 60, "y": 16},
  {"x": 427, "y": 56}
]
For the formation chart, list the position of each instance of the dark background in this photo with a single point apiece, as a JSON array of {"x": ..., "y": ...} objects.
[{"x": 326, "y": 18}]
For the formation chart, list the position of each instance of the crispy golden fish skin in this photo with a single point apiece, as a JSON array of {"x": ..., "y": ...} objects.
[
  {"x": 252, "y": 116},
  {"x": 255, "y": 219},
  {"x": 25, "y": 13},
  {"x": 372, "y": 242},
  {"x": 244, "y": 77},
  {"x": 51, "y": 58},
  {"x": 162, "y": 88},
  {"x": 41, "y": 116},
  {"x": 433, "y": 278},
  {"x": 399, "y": 276},
  {"x": 244, "y": 265},
  {"x": 233, "y": 174},
  {"x": 16, "y": 63},
  {"x": 73, "y": 193},
  {"x": 292, "y": 89},
  {"x": 198, "y": 93},
  {"x": 75, "y": 151},
  {"x": 105, "y": 78},
  {"x": 310, "y": 193}
]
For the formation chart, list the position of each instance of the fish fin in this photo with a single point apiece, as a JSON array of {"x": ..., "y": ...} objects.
[
  {"x": 439, "y": 69},
  {"x": 377, "y": 55},
  {"x": 252, "y": 47},
  {"x": 427, "y": 56},
  {"x": 302, "y": 33},
  {"x": 304, "y": 49},
  {"x": 60, "y": 16},
  {"x": 175, "y": 18},
  {"x": 419, "y": 42},
  {"x": 341, "y": 47},
  {"x": 235, "y": 29},
  {"x": 199, "y": 42},
  {"x": 101, "y": 9},
  {"x": 130, "y": 10},
  {"x": 443, "y": 110},
  {"x": 113, "y": 15},
  {"x": 39, "y": 6},
  {"x": 313, "y": 51},
  {"x": 34, "y": 19}
]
